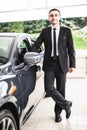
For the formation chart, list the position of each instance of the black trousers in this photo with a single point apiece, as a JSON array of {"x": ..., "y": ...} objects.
[{"x": 56, "y": 92}]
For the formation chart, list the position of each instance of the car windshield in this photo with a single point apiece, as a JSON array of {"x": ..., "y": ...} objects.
[{"x": 5, "y": 48}]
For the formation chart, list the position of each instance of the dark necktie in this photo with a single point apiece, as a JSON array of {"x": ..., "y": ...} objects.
[{"x": 54, "y": 39}]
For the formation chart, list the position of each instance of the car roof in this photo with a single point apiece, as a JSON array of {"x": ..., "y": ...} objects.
[
  {"x": 17, "y": 35},
  {"x": 12, "y": 34}
]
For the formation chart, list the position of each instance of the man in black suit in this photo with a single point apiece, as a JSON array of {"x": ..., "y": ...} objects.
[{"x": 57, "y": 61}]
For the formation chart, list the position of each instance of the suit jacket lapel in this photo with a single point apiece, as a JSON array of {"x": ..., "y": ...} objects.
[
  {"x": 49, "y": 34},
  {"x": 60, "y": 32},
  {"x": 49, "y": 39},
  {"x": 60, "y": 35}
]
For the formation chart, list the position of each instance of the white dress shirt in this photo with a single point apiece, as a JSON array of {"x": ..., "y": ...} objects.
[{"x": 57, "y": 36}]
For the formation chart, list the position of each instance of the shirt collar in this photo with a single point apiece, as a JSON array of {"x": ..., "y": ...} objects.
[{"x": 57, "y": 28}]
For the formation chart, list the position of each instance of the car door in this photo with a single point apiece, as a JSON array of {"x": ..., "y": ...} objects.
[{"x": 26, "y": 75}]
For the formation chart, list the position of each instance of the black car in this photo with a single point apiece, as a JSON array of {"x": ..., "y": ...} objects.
[{"x": 20, "y": 73}]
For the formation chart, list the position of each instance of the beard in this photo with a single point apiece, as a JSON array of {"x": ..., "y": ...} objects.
[{"x": 54, "y": 22}]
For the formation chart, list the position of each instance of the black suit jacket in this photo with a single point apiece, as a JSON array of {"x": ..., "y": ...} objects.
[{"x": 65, "y": 48}]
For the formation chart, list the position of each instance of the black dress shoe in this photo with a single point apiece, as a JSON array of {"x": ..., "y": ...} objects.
[
  {"x": 68, "y": 109},
  {"x": 58, "y": 118}
]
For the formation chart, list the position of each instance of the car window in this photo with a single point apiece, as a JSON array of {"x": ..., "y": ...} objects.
[
  {"x": 5, "y": 48},
  {"x": 22, "y": 49},
  {"x": 41, "y": 49}
]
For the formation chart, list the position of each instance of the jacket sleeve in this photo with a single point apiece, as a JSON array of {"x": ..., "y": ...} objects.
[
  {"x": 71, "y": 50},
  {"x": 38, "y": 43}
]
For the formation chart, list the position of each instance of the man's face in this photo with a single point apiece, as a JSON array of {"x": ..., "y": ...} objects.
[{"x": 54, "y": 17}]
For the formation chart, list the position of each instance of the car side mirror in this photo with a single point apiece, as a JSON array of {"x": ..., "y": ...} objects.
[{"x": 32, "y": 58}]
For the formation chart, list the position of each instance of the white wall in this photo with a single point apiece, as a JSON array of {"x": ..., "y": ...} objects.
[{"x": 20, "y": 10}]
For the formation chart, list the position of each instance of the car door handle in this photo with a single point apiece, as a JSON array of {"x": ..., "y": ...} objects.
[
  {"x": 20, "y": 75},
  {"x": 38, "y": 68}
]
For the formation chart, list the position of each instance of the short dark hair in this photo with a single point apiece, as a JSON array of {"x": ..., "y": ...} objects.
[{"x": 54, "y": 9}]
